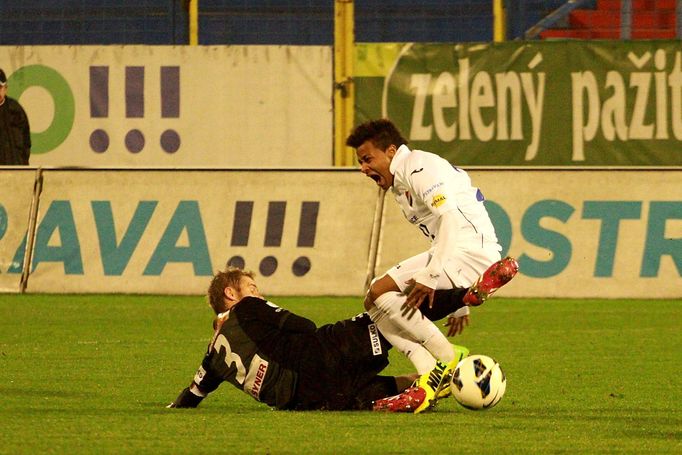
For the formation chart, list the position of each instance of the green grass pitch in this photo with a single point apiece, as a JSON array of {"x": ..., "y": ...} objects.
[{"x": 92, "y": 374}]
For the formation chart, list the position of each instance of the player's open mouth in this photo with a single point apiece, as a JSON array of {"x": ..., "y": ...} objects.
[{"x": 375, "y": 177}]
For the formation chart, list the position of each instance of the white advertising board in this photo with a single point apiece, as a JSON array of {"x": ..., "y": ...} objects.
[
  {"x": 576, "y": 234},
  {"x": 178, "y": 106},
  {"x": 167, "y": 232}
]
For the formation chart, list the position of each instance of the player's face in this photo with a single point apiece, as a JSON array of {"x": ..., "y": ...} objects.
[
  {"x": 375, "y": 163},
  {"x": 248, "y": 288}
]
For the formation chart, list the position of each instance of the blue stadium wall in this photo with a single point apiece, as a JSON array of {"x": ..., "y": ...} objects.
[{"x": 298, "y": 22}]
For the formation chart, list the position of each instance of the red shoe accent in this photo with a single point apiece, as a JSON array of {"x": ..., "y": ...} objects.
[
  {"x": 497, "y": 275},
  {"x": 407, "y": 401}
]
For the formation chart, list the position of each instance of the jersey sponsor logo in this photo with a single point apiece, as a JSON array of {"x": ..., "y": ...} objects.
[
  {"x": 255, "y": 376},
  {"x": 199, "y": 375},
  {"x": 260, "y": 374},
  {"x": 438, "y": 200},
  {"x": 374, "y": 339},
  {"x": 431, "y": 189},
  {"x": 417, "y": 171}
]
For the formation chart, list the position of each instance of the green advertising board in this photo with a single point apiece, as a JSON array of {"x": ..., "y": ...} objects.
[{"x": 544, "y": 103}]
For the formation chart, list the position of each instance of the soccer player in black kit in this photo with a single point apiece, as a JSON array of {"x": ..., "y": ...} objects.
[{"x": 284, "y": 360}]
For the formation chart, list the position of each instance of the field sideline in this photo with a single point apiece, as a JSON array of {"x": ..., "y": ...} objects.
[{"x": 92, "y": 374}]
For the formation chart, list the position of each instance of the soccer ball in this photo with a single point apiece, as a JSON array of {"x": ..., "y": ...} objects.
[{"x": 478, "y": 382}]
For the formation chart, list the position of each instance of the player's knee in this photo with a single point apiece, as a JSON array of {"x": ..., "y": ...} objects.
[
  {"x": 377, "y": 287},
  {"x": 371, "y": 295},
  {"x": 369, "y": 300}
]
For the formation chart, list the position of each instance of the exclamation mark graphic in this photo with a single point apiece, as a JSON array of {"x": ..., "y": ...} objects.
[
  {"x": 241, "y": 226},
  {"x": 134, "y": 96},
  {"x": 273, "y": 235},
  {"x": 307, "y": 227},
  {"x": 99, "y": 106},
  {"x": 274, "y": 228},
  {"x": 170, "y": 106}
]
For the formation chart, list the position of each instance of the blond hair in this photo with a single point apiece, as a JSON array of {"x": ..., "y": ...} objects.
[{"x": 230, "y": 277}]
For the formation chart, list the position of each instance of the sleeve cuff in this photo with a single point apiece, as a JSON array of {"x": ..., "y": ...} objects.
[{"x": 427, "y": 278}]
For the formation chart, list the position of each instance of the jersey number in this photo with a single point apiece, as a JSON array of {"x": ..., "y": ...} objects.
[
  {"x": 231, "y": 357},
  {"x": 425, "y": 231}
]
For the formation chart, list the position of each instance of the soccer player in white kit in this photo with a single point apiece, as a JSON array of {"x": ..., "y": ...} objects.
[{"x": 441, "y": 202}]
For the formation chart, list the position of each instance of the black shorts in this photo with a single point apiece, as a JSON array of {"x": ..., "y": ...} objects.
[{"x": 340, "y": 369}]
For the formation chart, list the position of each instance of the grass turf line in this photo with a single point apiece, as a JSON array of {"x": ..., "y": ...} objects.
[{"x": 92, "y": 374}]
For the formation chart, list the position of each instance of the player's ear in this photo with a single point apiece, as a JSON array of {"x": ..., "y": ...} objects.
[
  {"x": 230, "y": 293},
  {"x": 390, "y": 151}
]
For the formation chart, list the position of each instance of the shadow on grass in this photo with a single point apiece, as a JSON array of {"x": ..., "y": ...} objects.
[{"x": 43, "y": 393}]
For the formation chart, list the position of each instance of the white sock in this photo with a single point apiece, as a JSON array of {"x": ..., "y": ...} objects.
[
  {"x": 420, "y": 357},
  {"x": 417, "y": 327}
]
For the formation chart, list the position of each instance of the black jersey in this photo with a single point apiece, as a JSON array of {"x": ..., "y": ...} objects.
[{"x": 256, "y": 347}]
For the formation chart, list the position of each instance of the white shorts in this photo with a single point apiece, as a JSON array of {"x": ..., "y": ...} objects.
[{"x": 461, "y": 271}]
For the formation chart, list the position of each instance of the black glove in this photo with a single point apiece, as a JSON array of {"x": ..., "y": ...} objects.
[{"x": 186, "y": 399}]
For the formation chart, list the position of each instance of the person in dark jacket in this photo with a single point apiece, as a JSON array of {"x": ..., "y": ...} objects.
[{"x": 15, "y": 133}]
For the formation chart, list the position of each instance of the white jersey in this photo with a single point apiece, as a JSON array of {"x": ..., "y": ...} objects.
[
  {"x": 426, "y": 186},
  {"x": 439, "y": 199}
]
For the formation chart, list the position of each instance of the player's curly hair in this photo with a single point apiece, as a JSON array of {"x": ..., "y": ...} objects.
[
  {"x": 382, "y": 133},
  {"x": 229, "y": 277}
]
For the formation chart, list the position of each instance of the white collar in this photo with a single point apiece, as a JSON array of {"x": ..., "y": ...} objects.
[{"x": 400, "y": 155}]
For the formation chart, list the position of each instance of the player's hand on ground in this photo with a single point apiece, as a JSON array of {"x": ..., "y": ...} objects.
[
  {"x": 418, "y": 294},
  {"x": 456, "y": 324}
]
